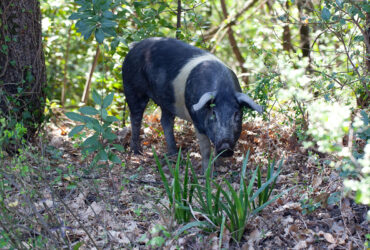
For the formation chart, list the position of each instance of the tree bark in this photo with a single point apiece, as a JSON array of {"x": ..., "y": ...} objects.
[
  {"x": 178, "y": 24},
  {"x": 22, "y": 64},
  {"x": 287, "y": 41},
  {"x": 304, "y": 30}
]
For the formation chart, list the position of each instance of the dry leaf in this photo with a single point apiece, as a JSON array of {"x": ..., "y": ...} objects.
[
  {"x": 329, "y": 238},
  {"x": 301, "y": 245}
]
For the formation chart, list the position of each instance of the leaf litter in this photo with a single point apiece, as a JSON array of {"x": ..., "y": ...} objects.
[{"x": 121, "y": 207}]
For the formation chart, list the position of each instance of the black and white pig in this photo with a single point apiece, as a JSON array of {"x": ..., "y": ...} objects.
[{"x": 187, "y": 82}]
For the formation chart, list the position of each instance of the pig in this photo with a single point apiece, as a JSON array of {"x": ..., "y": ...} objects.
[{"x": 189, "y": 83}]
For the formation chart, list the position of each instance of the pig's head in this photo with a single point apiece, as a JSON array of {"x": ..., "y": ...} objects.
[{"x": 222, "y": 118}]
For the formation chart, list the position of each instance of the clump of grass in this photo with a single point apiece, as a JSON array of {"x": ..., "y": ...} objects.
[{"x": 220, "y": 206}]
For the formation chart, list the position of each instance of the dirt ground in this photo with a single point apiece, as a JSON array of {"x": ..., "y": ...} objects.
[{"x": 119, "y": 208}]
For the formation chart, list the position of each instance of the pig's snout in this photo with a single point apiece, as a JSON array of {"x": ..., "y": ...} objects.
[{"x": 225, "y": 149}]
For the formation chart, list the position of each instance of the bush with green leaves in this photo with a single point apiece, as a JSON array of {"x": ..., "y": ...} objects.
[
  {"x": 218, "y": 205},
  {"x": 11, "y": 139},
  {"x": 356, "y": 164},
  {"x": 99, "y": 122}
]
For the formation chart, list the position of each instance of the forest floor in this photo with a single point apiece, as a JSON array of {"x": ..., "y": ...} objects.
[{"x": 119, "y": 208}]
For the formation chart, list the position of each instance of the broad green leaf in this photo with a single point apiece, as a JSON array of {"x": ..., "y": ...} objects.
[
  {"x": 95, "y": 126},
  {"x": 87, "y": 32},
  {"x": 109, "y": 31},
  {"x": 156, "y": 241},
  {"x": 109, "y": 135},
  {"x": 365, "y": 117},
  {"x": 75, "y": 16},
  {"x": 96, "y": 97},
  {"x": 87, "y": 110},
  {"x": 107, "y": 100},
  {"x": 103, "y": 156},
  {"x": 359, "y": 38},
  {"x": 106, "y": 23},
  {"x": 339, "y": 3},
  {"x": 91, "y": 141},
  {"x": 104, "y": 114},
  {"x": 366, "y": 7},
  {"x": 111, "y": 119},
  {"x": 99, "y": 35},
  {"x": 108, "y": 14},
  {"x": 76, "y": 130},
  {"x": 325, "y": 14},
  {"x": 114, "y": 158},
  {"x": 75, "y": 117},
  {"x": 119, "y": 147}
]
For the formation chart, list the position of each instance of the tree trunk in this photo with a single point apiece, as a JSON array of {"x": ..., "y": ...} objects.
[
  {"x": 304, "y": 30},
  {"x": 22, "y": 64},
  {"x": 178, "y": 24},
  {"x": 287, "y": 41}
]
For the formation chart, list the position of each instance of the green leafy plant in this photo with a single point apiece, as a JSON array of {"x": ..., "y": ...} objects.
[
  {"x": 159, "y": 235},
  {"x": 240, "y": 205},
  {"x": 224, "y": 207},
  {"x": 12, "y": 134},
  {"x": 179, "y": 192},
  {"x": 95, "y": 17},
  {"x": 101, "y": 126}
]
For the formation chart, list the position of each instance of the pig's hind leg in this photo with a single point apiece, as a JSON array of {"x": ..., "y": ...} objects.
[{"x": 136, "y": 102}]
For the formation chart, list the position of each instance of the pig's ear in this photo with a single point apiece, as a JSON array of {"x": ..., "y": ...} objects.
[
  {"x": 243, "y": 99},
  {"x": 206, "y": 97}
]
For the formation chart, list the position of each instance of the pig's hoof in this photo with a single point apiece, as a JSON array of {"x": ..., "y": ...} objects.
[
  {"x": 136, "y": 151},
  {"x": 172, "y": 152}
]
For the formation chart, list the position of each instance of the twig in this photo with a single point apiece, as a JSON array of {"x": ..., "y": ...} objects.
[
  {"x": 229, "y": 21},
  {"x": 88, "y": 81},
  {"x": 234, "y": 45}
]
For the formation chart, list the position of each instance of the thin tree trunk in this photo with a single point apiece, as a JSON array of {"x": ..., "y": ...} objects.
[
  {"x": 304, "y": 30},
  {"x": 85, "y": 95},
  {"x": 234, "y": 45},
  {"x": 287, "y": 41},
  {"x": 178, "y": 25}
]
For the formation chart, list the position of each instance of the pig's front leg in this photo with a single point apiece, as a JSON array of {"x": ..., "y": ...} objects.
[
  {"x": 205, "y": 149},
  {"x": 167, "y": 121}
]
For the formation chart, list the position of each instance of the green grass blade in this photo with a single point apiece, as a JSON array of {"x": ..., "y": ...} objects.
[
  {"x": 197, "y": 186},
  {"x": 209, "y": 191},
  {"x": 227, "y": 208},
  {"x": 251, "y": 182},
  {"x": 163, "y": 177},
  {"x": 273, "y": 184},
  {"x": 237, "y": 205},
  {"x": 257, "y": 210},
  {"x": 221, "y": 232},
  {"x": 262, "y": 188},
  {"x": 202, "y": 224},
  {"x": 242, "y": 177}
]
